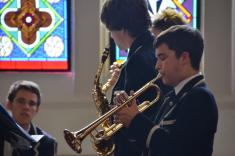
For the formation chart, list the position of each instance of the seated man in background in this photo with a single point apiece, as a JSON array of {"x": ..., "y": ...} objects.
[{"x": 23, "y": 101}]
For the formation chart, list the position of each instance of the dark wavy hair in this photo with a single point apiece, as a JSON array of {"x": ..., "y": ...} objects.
[
  {"x": 183, "y": 38},
  {"x": 129, "y": 15}
]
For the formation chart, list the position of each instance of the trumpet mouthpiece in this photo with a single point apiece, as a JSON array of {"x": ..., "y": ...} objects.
[{"x": 159, "y": 75}]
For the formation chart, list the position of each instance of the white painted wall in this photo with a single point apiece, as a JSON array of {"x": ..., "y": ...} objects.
[
  {"x": 67, "y": 101},
  {"x": 219, "y": 69}
]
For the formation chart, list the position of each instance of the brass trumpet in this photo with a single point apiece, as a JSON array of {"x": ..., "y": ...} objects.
[{"x": 103, "y": 137}]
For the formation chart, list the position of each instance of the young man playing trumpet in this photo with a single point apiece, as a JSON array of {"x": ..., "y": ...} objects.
[{"x": 187, "y": 120}]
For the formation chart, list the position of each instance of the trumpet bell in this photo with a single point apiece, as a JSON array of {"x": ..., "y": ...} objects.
[{"x": 73, "y": 141}]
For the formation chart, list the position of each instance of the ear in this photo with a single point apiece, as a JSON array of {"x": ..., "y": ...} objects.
[
  {"x": 37, "y": 110},
  {"x": 9, "y": 105},
  {"x": 184, "y": 58}
]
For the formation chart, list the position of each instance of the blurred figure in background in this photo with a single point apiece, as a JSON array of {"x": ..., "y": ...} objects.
[{"x": 165, "y": 19}]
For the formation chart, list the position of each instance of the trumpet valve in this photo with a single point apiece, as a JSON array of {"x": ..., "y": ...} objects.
[
  {"x": 72, "y": 141},
  {"x": 102, "y": 144}
]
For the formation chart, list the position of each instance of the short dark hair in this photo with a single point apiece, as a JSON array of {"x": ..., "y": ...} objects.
[
  {"x": 167, "y": 18},
  {"x": 24, "y": 85},
  {"x": 129, "y": 15},
  {"x": 183, "y": 38}
]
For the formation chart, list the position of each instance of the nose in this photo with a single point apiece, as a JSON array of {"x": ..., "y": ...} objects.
[
  {"x": 157, "y": 65},
  {"x": 26, "y": 105}
]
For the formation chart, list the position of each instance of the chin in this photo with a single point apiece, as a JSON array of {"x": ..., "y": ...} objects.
[
  {"x": 166, "y": 82},
  {"x": 163, "y": 79}
]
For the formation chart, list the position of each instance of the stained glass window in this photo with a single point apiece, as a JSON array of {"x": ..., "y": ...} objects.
[
  {"x": 34, "y": 35},
  {"x": 188, "y": 8}
]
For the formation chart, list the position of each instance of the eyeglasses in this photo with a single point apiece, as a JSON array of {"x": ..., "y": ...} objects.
[{"x": 23, "y": 101}]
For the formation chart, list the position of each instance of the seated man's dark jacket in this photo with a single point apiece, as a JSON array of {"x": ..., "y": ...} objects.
[
  {"x": 12, "y": 133},
  {"x": 47, "y": 145}
]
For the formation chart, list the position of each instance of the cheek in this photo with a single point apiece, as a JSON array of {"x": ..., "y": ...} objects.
[
  {"x": 16, "y": 108},
  {"x": 35, "y": 111},
  {"x": 171, "y": 68},
  {"x": 169, "y": 71},
  {"x": 166, "y": 66}
]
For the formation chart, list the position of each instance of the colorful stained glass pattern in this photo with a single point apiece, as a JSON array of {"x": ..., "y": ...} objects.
[
  {"x": 188, "y": 8},
  {"x": 34, "y": 35}
]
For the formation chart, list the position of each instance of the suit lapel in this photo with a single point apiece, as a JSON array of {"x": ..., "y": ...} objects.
[
  {"x": 171, "y": 100},
  {"x": 188, "y": 86},
  {"x": 33, "y": 130},
  {"x": 167, "y": 103}
]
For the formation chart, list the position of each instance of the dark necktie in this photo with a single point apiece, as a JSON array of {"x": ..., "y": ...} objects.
[{"x": 168, "y": 102}]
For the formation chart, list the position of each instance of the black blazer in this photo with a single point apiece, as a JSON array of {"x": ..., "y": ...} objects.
[
  {"x": 139, "y": 67},
  {"x": 47, "y": 145},
  {"x": 137, "y": 71},
  {"x": 12, "y": 132},
  {"x": 185, "y": 125}
]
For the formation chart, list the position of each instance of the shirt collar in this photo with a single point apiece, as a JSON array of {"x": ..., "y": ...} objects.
[{"x": 185, "y": 81}]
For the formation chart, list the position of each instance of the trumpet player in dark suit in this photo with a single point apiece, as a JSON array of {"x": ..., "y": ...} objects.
[{"x": 186, "y": 123}]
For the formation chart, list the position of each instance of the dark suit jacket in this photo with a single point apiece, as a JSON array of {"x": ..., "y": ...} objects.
[
  {"x": 47, "y": 145},
  {"x": 137, "y": 71},
  {"x": 12, "y": 132},
  {"x": 185, "y": 125}
]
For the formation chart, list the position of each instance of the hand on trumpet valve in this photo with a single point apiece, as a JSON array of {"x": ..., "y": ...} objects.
[{"x": 126, "y": 113}]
